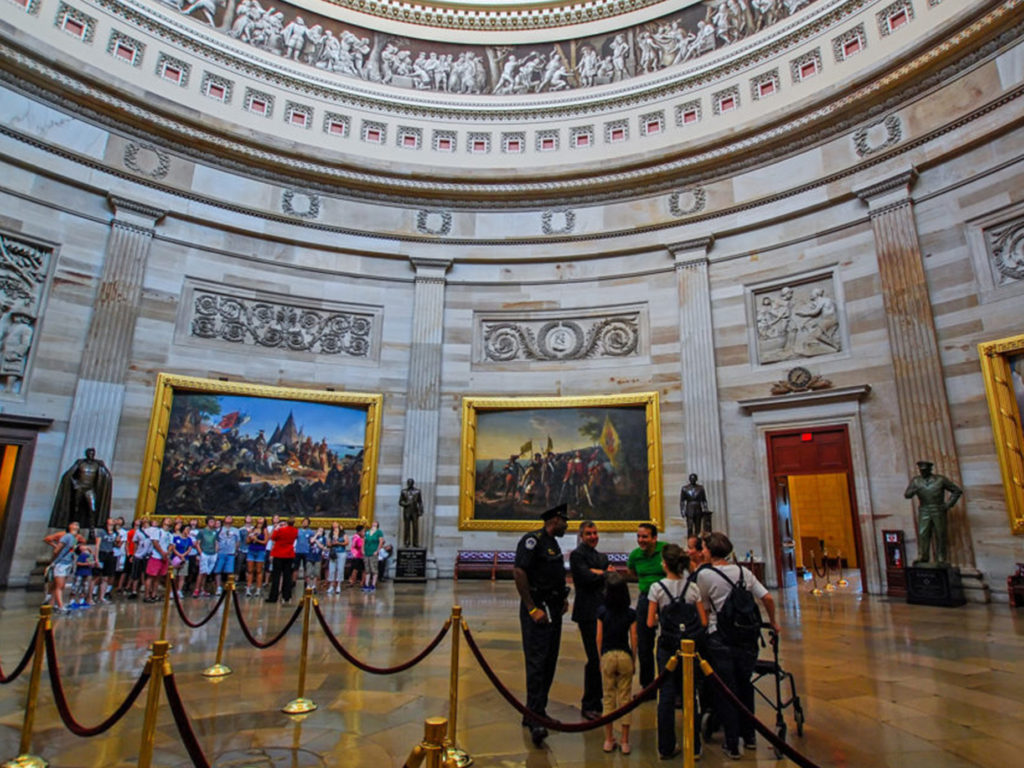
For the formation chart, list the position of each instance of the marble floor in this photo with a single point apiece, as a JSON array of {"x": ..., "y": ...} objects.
[{"x": 883, "y": 684}]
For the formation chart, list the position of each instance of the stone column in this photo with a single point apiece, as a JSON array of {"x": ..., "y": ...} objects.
[
  {"x": 920, "y": 386},
  {"x": 423, "y": 393},
  {"x": 702, "y": 430},
  {"x": 99, "y": 393}
]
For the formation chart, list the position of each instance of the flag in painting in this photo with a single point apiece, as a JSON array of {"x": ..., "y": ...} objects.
[
  {"x": 610, "y": 439},
  {"x": 526, "y": 448},
  {"x": 231, "y": 420}
]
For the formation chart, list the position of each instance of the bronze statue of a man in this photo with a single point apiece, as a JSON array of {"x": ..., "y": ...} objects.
[
  {"x": 693, "y": 506},
  {"x": 83, "y": 495},
  {"x": 930, "y": 490},
  {"x": 411, "y": 503}
]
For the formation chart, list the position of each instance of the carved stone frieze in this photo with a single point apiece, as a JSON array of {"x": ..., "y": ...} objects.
[
  {"x": 433, "y": 222},
  {"x": 796, "y": 320},
  {"x": 877, "y": 136},
  {"x": 686, "y": 202},
  {"x": 1006, "y": 250},
  {"x": 562, "y": 338},
  {"x": 23, "y": 270},
  {"x": 259, "y": 322},
  {"x": 800, "y": 379},
  {"x": 558, "y": 222},
  {"x": 146, "y": 159},
  {"x": 304, "y": 205}
]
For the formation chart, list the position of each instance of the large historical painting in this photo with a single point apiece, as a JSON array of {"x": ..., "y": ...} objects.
[
  {"x": 220, "y": 448},
  {"x": 598, "y": 455},
  {"x": 1002, "y": 364}
]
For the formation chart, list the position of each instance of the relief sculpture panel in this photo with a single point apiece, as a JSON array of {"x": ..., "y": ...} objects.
[
  {"x": 797, "y": 320},
  {"x": 561, "y": 338},
  {"x": 23, "y": 270},
  {"x": 1006, "y": 250}
]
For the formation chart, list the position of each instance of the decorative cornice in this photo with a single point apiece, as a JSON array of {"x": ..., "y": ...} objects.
[
  {"x": 121, "y": 205},
  {"x": 804, "y": 399},
  {"x": 902, "y": 180},
  {"x": 691, "y": 252},
  {"x": 428, "y": 269}
]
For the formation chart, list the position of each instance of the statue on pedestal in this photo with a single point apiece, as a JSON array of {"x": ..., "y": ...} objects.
[
  {"x": 411, "y": 503},
  {"x": 83, "y": 495},
  {"x": 693, "y": 506},
  {"x": 930, "y": 490}
]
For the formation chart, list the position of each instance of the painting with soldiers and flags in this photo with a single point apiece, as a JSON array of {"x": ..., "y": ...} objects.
[
  {"x": 596, "y": 455},
  {"x": 238, "y": 449}
]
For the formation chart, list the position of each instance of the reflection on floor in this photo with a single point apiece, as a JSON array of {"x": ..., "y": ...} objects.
[{"x": 883, "y": 684}]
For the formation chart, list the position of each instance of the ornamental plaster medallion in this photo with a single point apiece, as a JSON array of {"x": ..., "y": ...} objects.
[
  {"x": 305, "y": 205},
  {"x": 796, "y": 321},
  {"x": 1006, "y": 250},
  {"x": 877, "y": 136},
  {"x": 577, "y": 338},
  {"x": 434, "y": 222},
  {"x": 23, "y": 270},
  {"x": 558, "y": 222},
  {"x": 686, "y": 202},
  {"x": 146, "y": 160}
]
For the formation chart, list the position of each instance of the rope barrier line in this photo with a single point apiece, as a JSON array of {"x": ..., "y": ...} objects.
[
  {"x": 368, "y": 667},
  {"x": 60, "y": 699},
  {"x": 558, "y": 725},
  {"x": 197, "y": 624},
  {"x": 5, "y": 679},
  {"x": 781, "y": 746},
  {"x": 249, "y": 636},
  {"x": 181, "y": 720}
]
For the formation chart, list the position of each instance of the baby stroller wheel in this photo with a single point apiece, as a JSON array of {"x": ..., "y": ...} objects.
[{"x": 781, "y": 733}]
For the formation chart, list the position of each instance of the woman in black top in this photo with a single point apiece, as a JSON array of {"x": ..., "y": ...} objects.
[{"x": 616, "y": 638}]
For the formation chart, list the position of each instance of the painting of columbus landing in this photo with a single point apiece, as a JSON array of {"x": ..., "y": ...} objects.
[
  {"x": 220, "y": 448},
  {"x": 599, "y": 456}
]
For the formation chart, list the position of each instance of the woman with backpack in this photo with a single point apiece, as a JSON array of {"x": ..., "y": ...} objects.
[
  {"x": 730, "y": 594},
  {"x": 616, "y": 640},
  {"x": 674, "y": 606}
]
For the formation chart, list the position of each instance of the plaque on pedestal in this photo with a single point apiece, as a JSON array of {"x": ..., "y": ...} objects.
[
  {"x": 411, "y": 564},
  {"x": 935, "y": 585}
]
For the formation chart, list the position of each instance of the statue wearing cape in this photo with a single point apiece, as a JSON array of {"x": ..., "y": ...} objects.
[{"x": 83, "y": 495}]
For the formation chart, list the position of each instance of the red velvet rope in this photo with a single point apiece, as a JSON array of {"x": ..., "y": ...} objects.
[
  {"x": 29, "y": 652},
  {"x": 60, "y": 699},
  {"x": 249, "y": 636},
  {"x": 802, "y": 760},
  {"x": 378, "y": 670},
  {"x": 188, "y": 736},
  {"x": 558, "y": 725},
  {"x": 201, "y": 622}
]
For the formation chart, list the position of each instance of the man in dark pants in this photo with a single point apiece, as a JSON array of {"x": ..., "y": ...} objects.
[
  {"x": 588, "y": 567},
  {"x": 540, "y": 579},
  {"x": 282, "y": 554},
  {"x": 644, "y": 566}
]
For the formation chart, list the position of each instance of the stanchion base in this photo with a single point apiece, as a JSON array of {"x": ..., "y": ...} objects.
[
  {"x": 26, "y": 761},
  {"x": 843, "y": 583},
  {"x": 461, "y": 757},
  {"x": 299, "y": 707},
  {"x": 817, "y": 592},
  {"x": 830, "y": 588},
  {"x": 217, "y": 670}
]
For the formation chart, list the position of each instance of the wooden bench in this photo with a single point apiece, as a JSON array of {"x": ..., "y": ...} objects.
[{"x": 496, "y": 564}]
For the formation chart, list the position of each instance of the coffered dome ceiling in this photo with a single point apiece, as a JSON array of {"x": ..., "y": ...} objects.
[{"x": 484, "y": 103}]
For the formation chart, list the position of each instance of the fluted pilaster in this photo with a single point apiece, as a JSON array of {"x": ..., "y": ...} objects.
[
  {"x": 422, "y": 415},
  {"x": 99, "y": 393},
  {"x": 920, "y": 387},
  {"x": 702, "y": 430}
]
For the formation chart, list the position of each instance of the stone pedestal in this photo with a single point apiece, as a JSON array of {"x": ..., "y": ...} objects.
[
  {"x": 411, "y": 564},
  {"x": 935, "y": 585}
]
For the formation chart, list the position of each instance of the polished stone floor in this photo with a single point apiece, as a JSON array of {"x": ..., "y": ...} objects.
[{"x": 883, "y": 684}]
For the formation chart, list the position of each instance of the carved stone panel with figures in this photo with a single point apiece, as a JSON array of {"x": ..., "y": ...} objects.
[
  {"x": 23, "y": 270},
  {"x": 797, "y": 319}
]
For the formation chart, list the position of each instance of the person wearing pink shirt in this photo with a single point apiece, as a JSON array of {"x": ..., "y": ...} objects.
[{"x": 355, "y": 555}]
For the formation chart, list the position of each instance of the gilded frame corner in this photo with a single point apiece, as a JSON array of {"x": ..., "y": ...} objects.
[
  {"x": 1006, "y": 418},
  {"x": 473, "y": 406},
  {"x": 168, "y": 384}
]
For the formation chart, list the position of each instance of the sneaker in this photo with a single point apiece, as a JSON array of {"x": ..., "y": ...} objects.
[
  {"x": 733, "y": 753},
  {"x": 750, "y": 743},
  {"x": 697, "y": 753},
  {"x": 196, "y": 593},
  {"x": 220, "y": 591},
  {"x": 248, "y": 591}
]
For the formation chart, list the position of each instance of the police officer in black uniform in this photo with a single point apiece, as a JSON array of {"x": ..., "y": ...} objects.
[{"x": 540, "y": 578}]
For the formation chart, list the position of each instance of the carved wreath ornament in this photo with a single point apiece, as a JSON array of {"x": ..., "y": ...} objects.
[
  {"x": 561, "y": 340},
  {"x": 278, "y": 325}
]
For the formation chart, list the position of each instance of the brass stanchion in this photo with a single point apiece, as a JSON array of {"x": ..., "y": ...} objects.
[
  {"x": 688, "y": 654},
  {"x": 301, "y": 705},
  {"x": 218, "y": 669},
  {"x": 459, "y": 757},
  {"x": 842, "y": 582},
  {"x": 829, "y": 586},
  {"x": 433, "y": 748},
  {"x": 26, "y": 759},
  {"x": 158, "y": 667},
  {"x": 165, "y": 613}
]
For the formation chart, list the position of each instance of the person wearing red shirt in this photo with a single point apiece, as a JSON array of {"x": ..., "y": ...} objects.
[{"x": 282, "y": 552}]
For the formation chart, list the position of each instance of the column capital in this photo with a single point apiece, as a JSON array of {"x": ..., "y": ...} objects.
[
  {"x": 689, "y": 252},
  {"x": 134, "y": 213},
  {"x": 888, "y": 192},
  {"x": 428, "y": 268}
]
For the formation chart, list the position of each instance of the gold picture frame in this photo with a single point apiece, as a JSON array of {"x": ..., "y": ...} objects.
[
  {"x": 601, "y": 455},
  {"x": 1002, "y": 365},
  {"x": 256, "y": 474}
]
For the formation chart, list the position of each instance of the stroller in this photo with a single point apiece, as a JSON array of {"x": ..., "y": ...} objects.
[{"x": 771, "y": 669}]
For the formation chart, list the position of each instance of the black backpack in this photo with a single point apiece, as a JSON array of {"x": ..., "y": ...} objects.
[
  {"x": 739, "y": 618},
  {"x": 679, "y": 619}
]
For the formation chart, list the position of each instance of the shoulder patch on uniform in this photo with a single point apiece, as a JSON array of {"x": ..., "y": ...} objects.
[{"x": 531, "y": 542}]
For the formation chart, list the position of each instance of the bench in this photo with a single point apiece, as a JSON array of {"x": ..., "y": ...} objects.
[{"x": 496, "y": 564}]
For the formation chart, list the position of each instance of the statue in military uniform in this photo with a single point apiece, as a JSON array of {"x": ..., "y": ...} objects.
[
  {"x": 540, "y": 579},
  {"x": 930, "y": 490},
  {"x": 83, "y": 495}
]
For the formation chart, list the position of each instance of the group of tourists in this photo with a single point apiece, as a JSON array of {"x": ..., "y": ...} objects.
[
  {"x": 267, "y": 555},
  {"x": 694, "y": 592}
]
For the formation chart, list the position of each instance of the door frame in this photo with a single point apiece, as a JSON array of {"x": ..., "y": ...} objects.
[
  {"x": 851, "y": 490},
  {"x": 22, "y": 431}
]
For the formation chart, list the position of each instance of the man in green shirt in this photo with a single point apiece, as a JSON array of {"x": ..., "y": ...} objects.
[
  {"x": 372, "y": 542},
  {"x": 206, "y": 538},
  {"x": 644, "y": 565}
]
